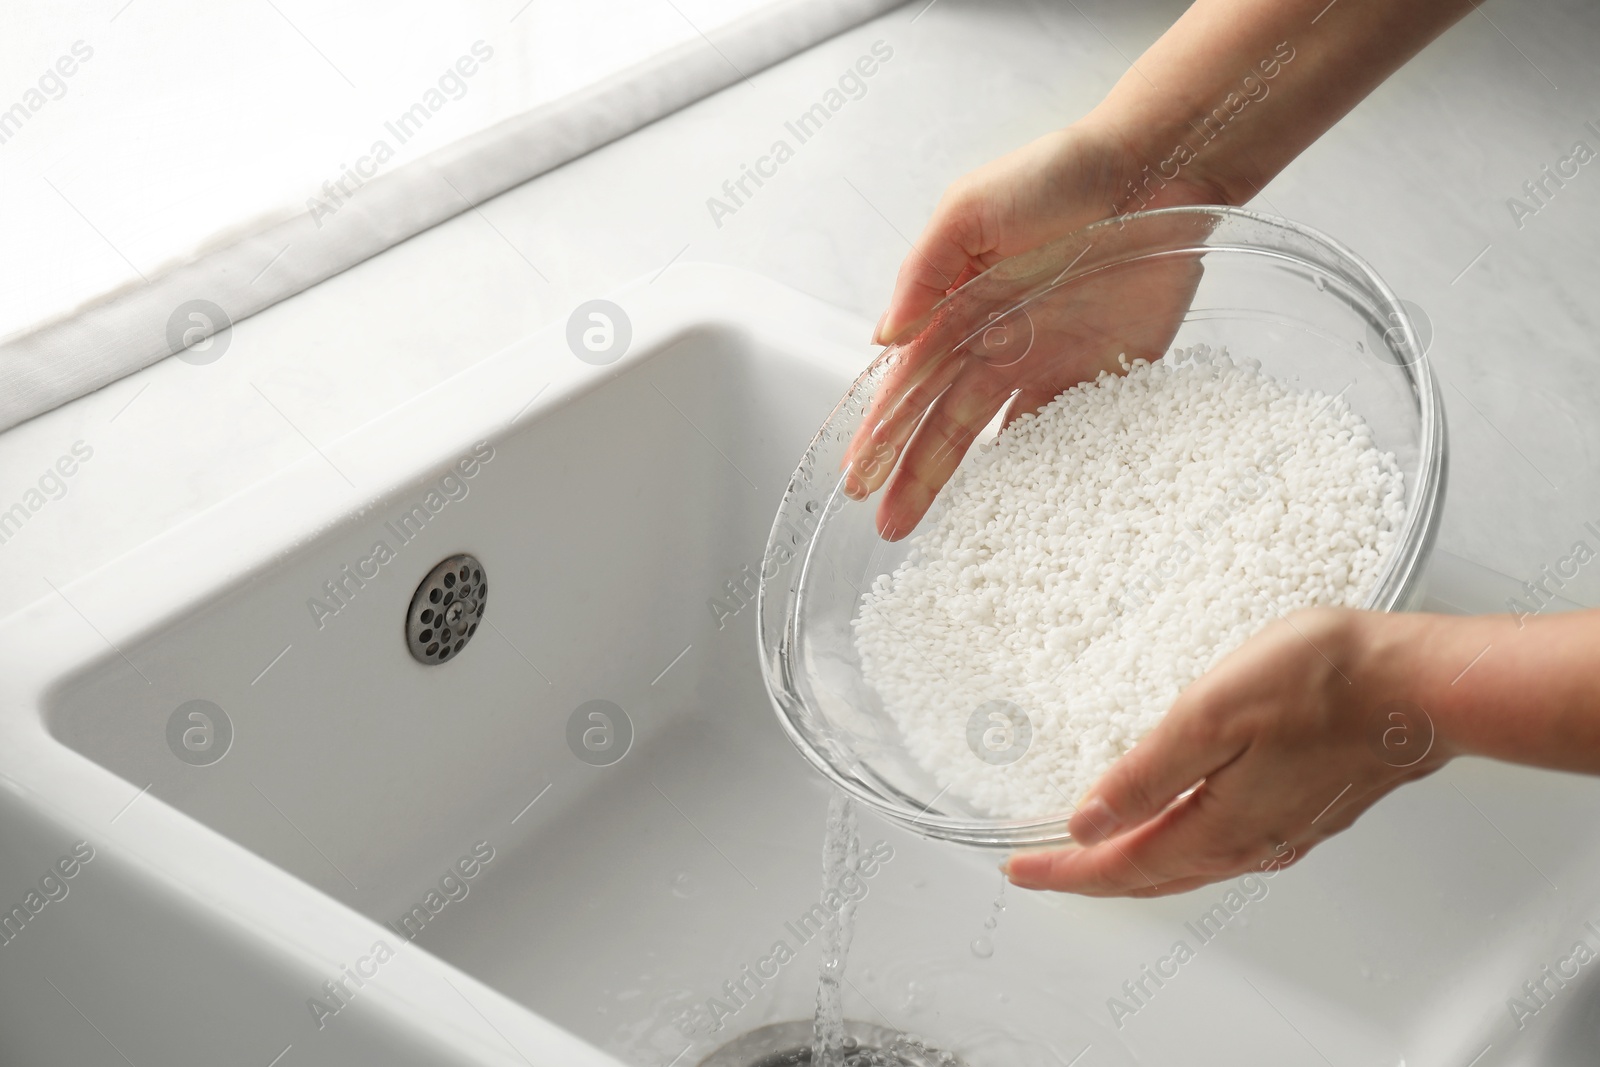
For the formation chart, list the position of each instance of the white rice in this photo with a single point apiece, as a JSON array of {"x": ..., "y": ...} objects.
[{"x": 1103, "y": 554}]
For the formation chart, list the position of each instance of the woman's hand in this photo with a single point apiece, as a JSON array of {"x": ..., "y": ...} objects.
[
  {"x": 1285, "y": 743},
  {"x": 1043, "y": 191},
  {"x": 954, "y": 370},
  {"x": 1216, "y": 107}
]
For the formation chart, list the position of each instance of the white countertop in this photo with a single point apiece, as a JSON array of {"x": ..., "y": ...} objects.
[{"x": 1416, "y": 181}]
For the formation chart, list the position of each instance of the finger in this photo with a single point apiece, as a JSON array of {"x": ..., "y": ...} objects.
[
  {"x": 949, "y": 252},
  {"x": 1029, "y": 401},
  {"x": 937, "y": 448},
  {"x": 1140, "y": 861},
  {"x": 894, "y": 414},
  {"x": 1184, "y": 748},
  {"x": 921, "y": 368},
  {"x": 1215, "y": 834},
  {"x": 1172, "y": 888},
  {"x": 920, "y": 376},
  {"x": 1035, "y": 870},
  {"x": 919, "y": 286},
  {"x": 1331, "y": 821},
  {"x": 1236, "y": 821},
  {"x": 1069, "y": 876},
  {"x": 918, "y": 371},
  {"x": 914, "y": 378},
  {"x": 1106, "y": 869}
]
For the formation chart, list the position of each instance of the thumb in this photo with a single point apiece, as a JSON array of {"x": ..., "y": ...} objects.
[{"x": 1183, "y": 749}]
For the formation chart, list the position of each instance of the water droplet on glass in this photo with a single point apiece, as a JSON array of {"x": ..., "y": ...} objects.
[
  {"x": 682, "y": 885},
  {"x": 812, "y": 506},
  {"x": 983, "y": 948},
  {"x": 1322, "y": 283}
]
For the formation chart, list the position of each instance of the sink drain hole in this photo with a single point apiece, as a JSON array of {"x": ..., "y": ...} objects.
[
  {"x": 446, "y": 609},
  {"x": 788, "y": 1044}
]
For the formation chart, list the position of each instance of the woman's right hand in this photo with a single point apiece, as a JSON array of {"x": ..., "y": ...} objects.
[{"x": 953, "y": 371}]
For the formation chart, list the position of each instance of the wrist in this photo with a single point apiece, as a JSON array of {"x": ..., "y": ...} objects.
[
  {"x": 1161, "y": 165},
  {"x": 1490, "y": 687},
  {"x": 1405, "y": 664}
]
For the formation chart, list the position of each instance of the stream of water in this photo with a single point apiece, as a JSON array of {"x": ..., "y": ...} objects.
[{"x": 841, "y": 848}]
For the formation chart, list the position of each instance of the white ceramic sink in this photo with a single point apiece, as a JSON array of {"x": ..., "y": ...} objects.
[{"x": 621, "y": 514}]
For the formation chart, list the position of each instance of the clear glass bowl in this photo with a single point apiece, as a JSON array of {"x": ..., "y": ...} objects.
[{"x": 1150, "y": 285}]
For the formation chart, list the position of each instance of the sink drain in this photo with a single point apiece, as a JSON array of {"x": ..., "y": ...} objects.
[
  {"x": 866, "y": 1045},
  {"x": 446, "y": 609}
]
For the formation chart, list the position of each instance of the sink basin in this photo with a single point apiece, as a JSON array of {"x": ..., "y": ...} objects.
[{"x": 351, "y": 857}]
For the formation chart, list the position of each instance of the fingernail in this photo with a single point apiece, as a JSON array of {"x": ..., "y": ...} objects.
[
  {"x": 1095, "y": 821},
  {"x": 853, "y": 487},
  {"x": 877, "y": 331},
  {"x": 1026, "y": 870},
  {"x": 887, "y": 329}
]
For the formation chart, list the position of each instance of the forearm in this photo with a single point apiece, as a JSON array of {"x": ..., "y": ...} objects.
[
  {"x": 1236, "y": 89},
  {"x": 1526, "y": 692}
]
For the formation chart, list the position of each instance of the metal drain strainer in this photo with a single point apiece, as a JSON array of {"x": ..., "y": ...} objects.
[
  {"x": 446, "y": 609},
  {"x": 867, "y": 1045}
]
